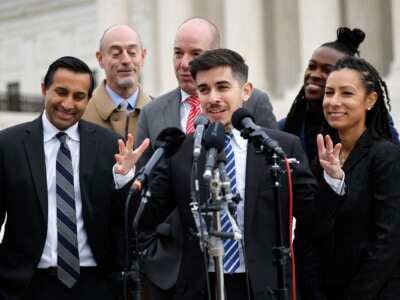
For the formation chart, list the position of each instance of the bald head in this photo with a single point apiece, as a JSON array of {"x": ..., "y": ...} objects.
[
  {"x": 122, "y": 56},
  {"x": 115, "y": 30},
  {"x": 202, "y": 27},
  {"x": 193, "y": 37}
]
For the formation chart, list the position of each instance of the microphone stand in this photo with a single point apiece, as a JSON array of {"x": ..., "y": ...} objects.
[
  {"x": 221, "y": 196},
  {"x": 136, "y": 274},
  {"x": 131, "y": 276},
  {"x": 280, "y": 251},
  {"x": 216, "y": 246},
  {"x": 198, "y": 217}
]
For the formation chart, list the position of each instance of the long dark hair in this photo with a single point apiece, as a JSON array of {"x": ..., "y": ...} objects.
[{"x": 347, "y": 42}]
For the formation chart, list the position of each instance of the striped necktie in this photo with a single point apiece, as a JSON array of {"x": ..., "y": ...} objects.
[
  {"x": 67, "y": 242},
  {"x": 194, "y": 112},
  {"x": 231, "y": 259},
  {"x": 126, "y": 108}
]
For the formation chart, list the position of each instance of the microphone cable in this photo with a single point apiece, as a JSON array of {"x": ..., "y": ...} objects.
[{"x": 292, "y": 261}]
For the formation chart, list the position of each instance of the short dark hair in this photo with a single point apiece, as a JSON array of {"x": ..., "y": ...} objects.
[
  {"x": 72, "y": 64},
  {"x": 220, "y": 58},
  {"x": 377, "y": 118}
]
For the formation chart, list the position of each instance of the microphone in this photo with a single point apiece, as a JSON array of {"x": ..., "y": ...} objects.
[
  {"x": 200, "y": 124},
  {"x": 243, "y": 121},
  {"x": 167, "y": 144},
  {"x": 214, "y": 143}
]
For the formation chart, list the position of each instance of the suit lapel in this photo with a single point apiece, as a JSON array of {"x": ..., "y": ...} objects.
[
  {"x": 34, "y": 149},
  {"x": 254, "y": 167},
  {"x": 360, "y": 150},
  {"x": 88, "y": 153},
  {"x": 171, "y": 112}
]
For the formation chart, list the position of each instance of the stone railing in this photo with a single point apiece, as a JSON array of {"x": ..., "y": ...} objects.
[{"x": 22, "y": 103}]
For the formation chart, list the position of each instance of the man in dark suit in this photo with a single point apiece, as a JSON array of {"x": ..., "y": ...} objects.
[
  {"x": 173, "y": 109},
  {"x": 58, "y": 190},
  {"x": 221, "y": 78}
]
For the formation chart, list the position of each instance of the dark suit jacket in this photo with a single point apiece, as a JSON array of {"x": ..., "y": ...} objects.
[
  {"x": 360, "y": 232},
  {"x": 161, "y": 113},
  {"x": 171, "y": 187},
  {"x": 23, "y": 197}
]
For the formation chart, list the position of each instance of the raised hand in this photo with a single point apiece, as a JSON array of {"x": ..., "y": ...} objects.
[
  {"x": 127, "y": 157},
  {"x": 329, "y": 156}
]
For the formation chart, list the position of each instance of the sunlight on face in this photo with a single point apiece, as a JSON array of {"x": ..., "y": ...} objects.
[{"x": 346, "y": 101}]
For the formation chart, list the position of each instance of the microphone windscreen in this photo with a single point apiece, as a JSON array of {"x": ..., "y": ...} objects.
[
  {"x": 201, "y": 120},
  {"x": 171, "y": 139},
  {"x": 214, "y": 136},
  {"x": 238, "y": 116}
]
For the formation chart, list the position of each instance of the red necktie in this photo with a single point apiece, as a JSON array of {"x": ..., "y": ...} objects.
[{"x": 194, "y": 112}]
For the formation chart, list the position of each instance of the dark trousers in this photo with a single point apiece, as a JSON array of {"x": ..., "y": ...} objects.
[
  {"x": 235, "y": 289},
  {"x": 235, "y": 286},
  {"x": 92, "y": 284}
]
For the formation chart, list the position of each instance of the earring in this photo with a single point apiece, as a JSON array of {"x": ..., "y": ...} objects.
[{"x": 368, "y": 108}]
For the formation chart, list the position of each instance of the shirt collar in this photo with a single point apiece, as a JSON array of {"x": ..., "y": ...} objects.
[
  {"x": 184, "y": 96},
  {"x": 49, "y": 130},
  {"x": 238, "y": 139},
  {"x": 117, "y": 99}
]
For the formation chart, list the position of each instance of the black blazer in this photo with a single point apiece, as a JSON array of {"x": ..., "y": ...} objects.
[
  {"x": 23, "y": 197},
  {"x": 360, "y": 232},
  {"x": 170, "y": 187},
  {"x": 161, "y": 113}
]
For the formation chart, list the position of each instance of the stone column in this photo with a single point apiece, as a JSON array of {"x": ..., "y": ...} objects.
[
  {"x": 166, "y": 24},
  {"x": 373, "y": 17},
  {"x": 244, "y": 32},
  {"x": 281, "y": 40},
  {"x": 393, "y": 79},
  {"x": 318, "y": 21},
  {"x": 395, "y": 15},
  {"x": 142, "y": 19},
  {"x": 110, "y": 13}
]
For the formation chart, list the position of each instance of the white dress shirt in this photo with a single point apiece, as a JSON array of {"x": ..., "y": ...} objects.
[{"x": 51, "y": 146}]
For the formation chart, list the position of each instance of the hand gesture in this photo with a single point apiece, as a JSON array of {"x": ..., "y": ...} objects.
[
  {"x": 329, "y": 156},
  {"x": 127, "y": 157}
]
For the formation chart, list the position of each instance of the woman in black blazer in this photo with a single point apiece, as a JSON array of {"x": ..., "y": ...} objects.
[{"x": 359, "y": 232}]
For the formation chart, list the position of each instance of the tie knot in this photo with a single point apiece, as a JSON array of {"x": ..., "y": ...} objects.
[
  {"x": 125, "y": 105},
  {"x": 62, "y": 137},
  {"x": 193, "y": 101},
  {"x": 228, "y": 137}
]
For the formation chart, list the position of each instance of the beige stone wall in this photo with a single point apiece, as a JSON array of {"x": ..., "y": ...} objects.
[{"x": 276, "y": 37}]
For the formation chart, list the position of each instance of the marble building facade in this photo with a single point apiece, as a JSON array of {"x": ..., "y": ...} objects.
[{"x": 276, "y": 37}]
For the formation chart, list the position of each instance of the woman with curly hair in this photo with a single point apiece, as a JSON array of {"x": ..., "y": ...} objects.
[
  {"x": 305, "y": 118},
  {"x": 357, "y": 238}
]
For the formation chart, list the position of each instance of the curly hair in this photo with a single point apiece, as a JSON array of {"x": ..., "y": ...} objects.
[{"x": 347, "y": 42}]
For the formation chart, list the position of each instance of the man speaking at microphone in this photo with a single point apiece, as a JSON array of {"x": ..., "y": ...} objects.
[{"x": 221, "y": 78}]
